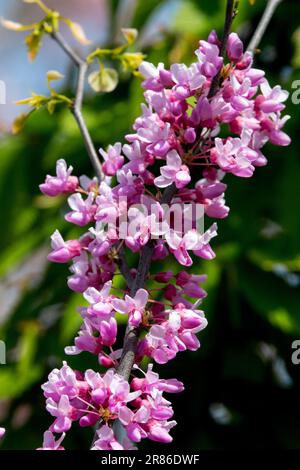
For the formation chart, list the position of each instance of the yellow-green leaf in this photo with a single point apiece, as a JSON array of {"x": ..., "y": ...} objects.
[
  {"x": 33, "y": 42},
  {"x": 19, "y": 122},
  {"x": 132, "y": 60},
  {"x": 14, "y": 26},
  {"x": 78, "y": 33}
]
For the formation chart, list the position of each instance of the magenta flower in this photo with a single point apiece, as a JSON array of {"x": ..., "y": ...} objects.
[
  {"x": 175, "y": 334},
  {"x": 234, "y": 47},
  {"x": 82, "y": 211},
  {"x": 62, "y": 251},
  {"x": 63, "y": 411},
  {"x": 2, "y": 432},
  {"x": 107, "y": 441},
  {"x": 180, "y": 246},
  {"x": 113, "y": 160},
  {"x": 209, "y": 60},
  {"x": 101, "y": 303},
  {"x": 156, "y": 78},
  {"x": 173, "y": 172},
  {"x": 134, "y": 307},
  {"x": 152, "y": 381},
  {"x": 49, "y": 442},
  {"x": 187, "y": 79},
  {"x": 62, "y": 183},
  {"x": 271, "y": 99}
]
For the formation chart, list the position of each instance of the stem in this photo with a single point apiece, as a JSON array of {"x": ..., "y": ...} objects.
[
  {"x": 77, "y": 106},
  {"x": 230, "y": 14},
  {"x": 124, "y": 268},
  {"x": 132, "y": 333},
  {"x": 263, "y": 24}
]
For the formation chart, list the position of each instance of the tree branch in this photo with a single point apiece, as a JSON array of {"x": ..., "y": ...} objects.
[
  {"x": 77, "y": 107},
  {"x": 263, "y": 24},
  {"x": 124, "y": 268}
]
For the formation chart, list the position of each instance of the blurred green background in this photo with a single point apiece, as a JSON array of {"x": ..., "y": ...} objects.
[{"x": 242, "y": 389}]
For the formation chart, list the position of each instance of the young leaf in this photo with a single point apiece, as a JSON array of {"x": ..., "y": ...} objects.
[
  {"x": 14, "y": 26},
  {"x": 33, "y": 42},
  {"x": 132, "y": 60},
  {"x": 78, "y": 32}
]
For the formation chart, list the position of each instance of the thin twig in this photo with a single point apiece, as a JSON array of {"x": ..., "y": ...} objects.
[
  {"x": 124, "y": 268},
  {"x": 263, "y": 24},
  {"x": 230, "y": 8},
  {"x": 77, "y": 107}
]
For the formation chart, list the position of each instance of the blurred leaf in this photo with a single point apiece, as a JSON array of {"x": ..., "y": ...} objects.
[
  {"x": 78, "y": 32},
  {"x": 15, "y": 379},
  {"x": 271, "y": 297},
  {"x": 19, "y": 123},
  {"x": 296, "y": 43}
]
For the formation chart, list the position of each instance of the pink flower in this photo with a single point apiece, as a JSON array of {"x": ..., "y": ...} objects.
[
  {"x": 187, "y": 79},
  {"x": 2, "y": 432},
  {"x": 173, "y": 172},
  {"x": 63, "y": 411},
  {"x": 134, "y": 307},
  {"x": 176, "y": 333},
  {"x": 209, "y": 60},
  {"x": 86, "y": 341},
  {"x": 180, "y": 246},
  {"x": 110, "y": 391},
  {"x": 107, "y": 441},
  {"x": 234, "y": 47},
  {"x": 79, "y": 281},
  {"x": 101, "y": 304},
  {"x": 156, "y": 77},
  {"x": 82, "y": 211},
  {"x": 113, "y": 159},
  {"x": 63, "y": 182},
  {"x": 63, "y": 251},
  {"x": 210, "y": 192},
  {"x": 190, "y": 284},
  {"x": 49, "y": 442},
  {"x": 235, "y": 156},
  {"x": 271, "y": 99},
  {"x": 273, "y": 126},
  {"x": 152, "y": 381}
]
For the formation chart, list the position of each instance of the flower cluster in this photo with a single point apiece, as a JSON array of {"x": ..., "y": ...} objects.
[
  {"x": 177, "y": 145},
  {"x": 108, "y": 399}
]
